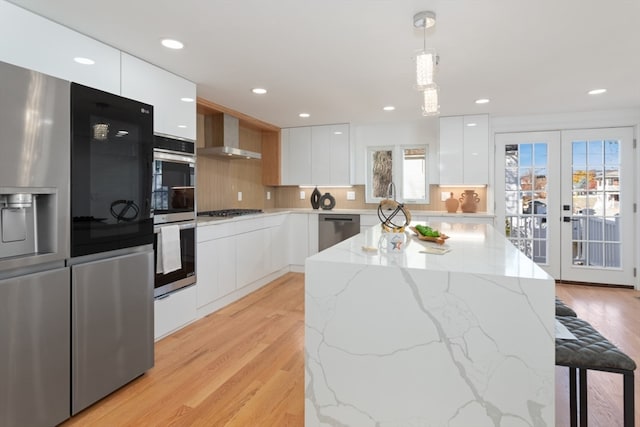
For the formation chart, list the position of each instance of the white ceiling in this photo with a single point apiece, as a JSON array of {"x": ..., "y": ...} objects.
[{"x": 343, "y": 60}]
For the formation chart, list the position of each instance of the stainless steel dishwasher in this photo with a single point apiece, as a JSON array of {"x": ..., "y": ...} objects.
[{"x": 334, "y": 228}]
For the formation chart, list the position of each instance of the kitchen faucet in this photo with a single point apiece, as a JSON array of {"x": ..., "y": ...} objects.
[{"x": 391, "y": 191}]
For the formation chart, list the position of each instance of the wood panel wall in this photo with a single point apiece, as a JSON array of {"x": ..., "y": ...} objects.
[{"x": 271, "y": 158}]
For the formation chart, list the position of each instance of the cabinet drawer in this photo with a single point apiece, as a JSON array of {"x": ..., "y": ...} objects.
[
  {"x": 175, "y": 311},
  {"x": 206, "y": 232}
]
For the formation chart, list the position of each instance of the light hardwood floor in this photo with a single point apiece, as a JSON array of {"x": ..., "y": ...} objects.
[{"x": 243, "y": 366}]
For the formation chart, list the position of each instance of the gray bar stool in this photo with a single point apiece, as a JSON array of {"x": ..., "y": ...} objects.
[
  {"x": 563, "y": 310},
  {"x": 590, "y": 350}
]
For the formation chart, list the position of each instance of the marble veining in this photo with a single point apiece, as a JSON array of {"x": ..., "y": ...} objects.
[{"x": 391, "y": 345}]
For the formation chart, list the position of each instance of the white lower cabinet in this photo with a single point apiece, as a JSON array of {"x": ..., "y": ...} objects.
[
  {"x": 252, "y": 256},
  {"x": 231, "y": 256},
  {"x": 216, "y": 269},
  {"x": 278, "y": 247},
  {"x": 215, "y": 262},
  {"x": 174, "y": 311},
  {"x": 298, "y": 239},
  {"x": 314, "y": 222},
  {"x": 227, "y": 267}
]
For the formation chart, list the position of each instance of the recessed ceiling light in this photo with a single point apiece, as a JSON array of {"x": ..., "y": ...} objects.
[
  {"x": 482, "y": 101},
  {"x": 84, "y": 61},
  {"x": 389, "y": 108},
  {"x": 304, "y": 115},
  {"x": 596, "y": 91},
  {"x": 259, "y": 91},
  {"x": 337, "y": 132},
  {"x": 172, "y": 44},
  {"x": 187, "y": 99},
  {"x": 182, "y": 126},
  {"x": 472, "y": 124}
]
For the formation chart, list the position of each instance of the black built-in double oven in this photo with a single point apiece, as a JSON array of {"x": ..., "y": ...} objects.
[{"x": 173, "y": 204}]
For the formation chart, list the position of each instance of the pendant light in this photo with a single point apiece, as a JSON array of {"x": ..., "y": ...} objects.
[
  {"x": 430, "y": 104},
  {"x": 426, "y": 61}
]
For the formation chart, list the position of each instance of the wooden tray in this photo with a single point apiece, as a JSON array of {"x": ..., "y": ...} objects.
[{"x": 439, "y": 240}]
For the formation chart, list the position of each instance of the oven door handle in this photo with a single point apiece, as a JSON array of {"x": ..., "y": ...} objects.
[{"x": 185, "y": 226}]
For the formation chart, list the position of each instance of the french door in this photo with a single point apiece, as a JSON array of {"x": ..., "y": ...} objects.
[
  {"x": 568, "y": 201},
  {"x": 528, "y": 175}
]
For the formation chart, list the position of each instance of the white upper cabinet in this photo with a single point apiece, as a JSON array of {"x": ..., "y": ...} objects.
[
  {"x": 315, "y": 155},
  {"x": 464, "y": 150},
  {"x": 296, "y": 156},
  {"x": 164, "y": 90},
  {"x": 31, "y": 41},
  {"x": 330, "y": 155}
]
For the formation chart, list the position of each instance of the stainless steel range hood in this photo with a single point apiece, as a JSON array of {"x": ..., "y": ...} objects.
[{"x": 222, "y": 138}]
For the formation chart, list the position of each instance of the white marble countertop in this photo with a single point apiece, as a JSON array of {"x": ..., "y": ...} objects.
[{"x": 474, "y": 248}]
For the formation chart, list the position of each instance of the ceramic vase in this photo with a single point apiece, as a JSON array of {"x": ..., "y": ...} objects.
[
  {"x": 327, "y": 201},
  {"x": 315, "y": 198},
  {"x": 469, "y": 201},
  {"x": 452, "y": 204}
]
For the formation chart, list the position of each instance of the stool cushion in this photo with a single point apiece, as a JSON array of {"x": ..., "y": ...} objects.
[
  {"x": 590, "y": 350},
  {"x": 563, "y": 310}
]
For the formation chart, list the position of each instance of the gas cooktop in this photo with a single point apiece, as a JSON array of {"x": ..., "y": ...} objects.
[{"x": 230, "y": 212}]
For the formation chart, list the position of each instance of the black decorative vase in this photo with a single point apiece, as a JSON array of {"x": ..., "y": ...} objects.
[{"x": 315, "y": 198}]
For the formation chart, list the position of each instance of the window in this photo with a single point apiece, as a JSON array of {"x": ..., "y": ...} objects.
[{"x": 408, "y": 173}]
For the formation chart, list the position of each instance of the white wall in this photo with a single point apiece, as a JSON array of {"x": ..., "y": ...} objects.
[
  {"x": 415, "y": 132},
  {"x": 565, "y": 121}
]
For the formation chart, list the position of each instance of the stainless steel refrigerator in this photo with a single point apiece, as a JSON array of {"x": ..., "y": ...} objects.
[{"x": 34, "y": 244}]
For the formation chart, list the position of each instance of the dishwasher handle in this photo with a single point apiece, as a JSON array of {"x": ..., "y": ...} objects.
[{"x": 331, "y": 218}]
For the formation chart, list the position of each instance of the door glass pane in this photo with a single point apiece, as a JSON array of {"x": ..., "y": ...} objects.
[
  {"x": 596, "y": 199},
  {"x": 414, "y": 173},
  {"x": 511, "y": 156},
  {"x": 540, "y": 158},
  {"x": 382, "y": 172},
  {"x": 526, "y": 198},
  {"x": 511, "y": 202}
]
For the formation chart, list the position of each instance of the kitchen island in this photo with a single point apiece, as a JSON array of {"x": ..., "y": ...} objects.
[{"x": 464, "y": 338}]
